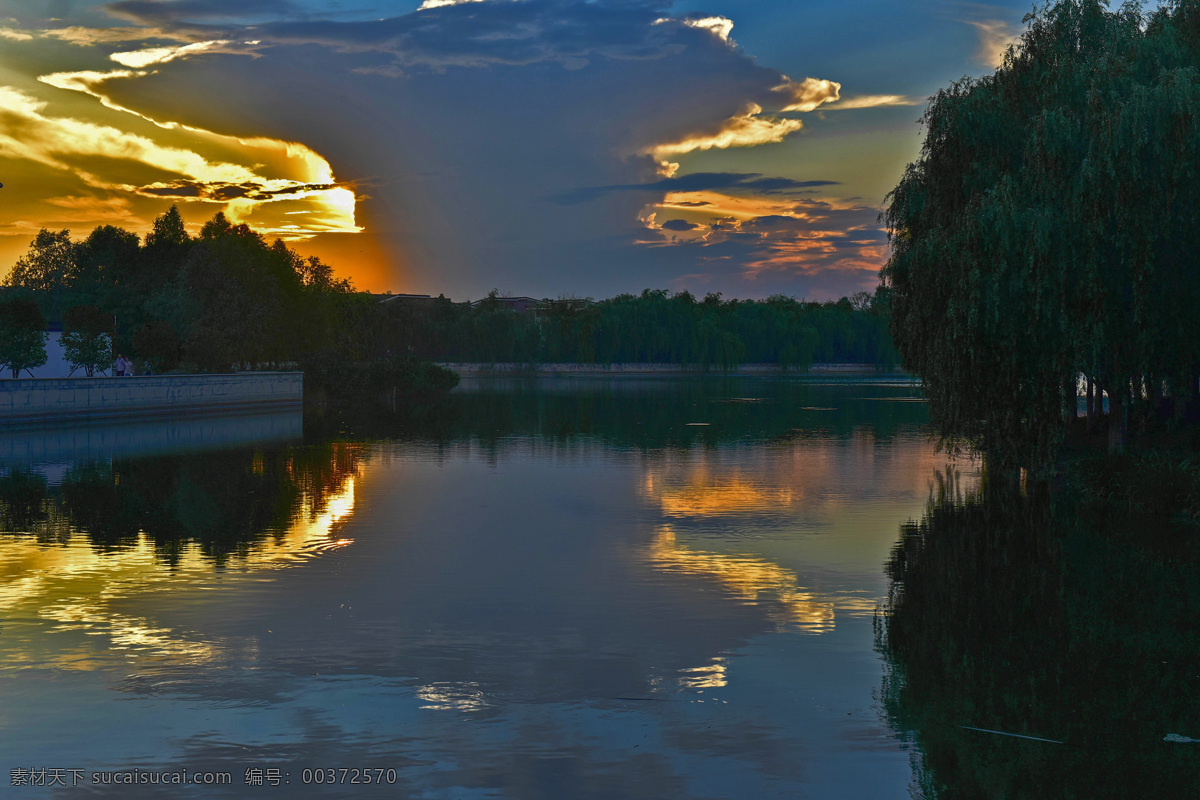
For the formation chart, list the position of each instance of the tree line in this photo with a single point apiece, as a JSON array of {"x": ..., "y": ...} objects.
[
  {"x": 653, "y": 327},
  {"x": 227, "y": 298},
  {"x": 1047, "y": 237}
]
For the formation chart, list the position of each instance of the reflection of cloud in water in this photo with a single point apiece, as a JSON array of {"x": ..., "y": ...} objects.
[
  {"x": 748, "y": 578},
  {"x": 709, "y": 676},
  {"x": 311, "y": 531},
  {"x": 74, "y": 587},
  {"x": 703, "y": 497},
  {"x": 452, "y": 696}
]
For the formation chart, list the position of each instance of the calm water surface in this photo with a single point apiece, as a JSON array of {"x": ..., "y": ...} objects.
[{"x": 568, "y": 589}]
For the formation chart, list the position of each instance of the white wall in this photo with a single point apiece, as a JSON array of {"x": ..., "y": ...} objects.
[{"x": 55, "y": 367}]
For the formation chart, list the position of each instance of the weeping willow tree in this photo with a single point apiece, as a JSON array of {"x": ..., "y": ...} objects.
[{"x": 1050, "y": 229}]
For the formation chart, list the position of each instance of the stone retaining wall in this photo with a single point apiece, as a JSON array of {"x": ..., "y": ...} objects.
[{"x": 34, "y": 399}]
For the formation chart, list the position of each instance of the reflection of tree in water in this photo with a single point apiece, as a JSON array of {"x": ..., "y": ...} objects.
[
  {"x": 1009, "y": 612},
  {"x": 644, "y": 412},
  {"x": 24, "y": 507},
  {"x": 224, "y": 502}
]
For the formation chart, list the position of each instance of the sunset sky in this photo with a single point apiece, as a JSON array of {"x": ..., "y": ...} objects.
[{"x": 540, "y": 147}]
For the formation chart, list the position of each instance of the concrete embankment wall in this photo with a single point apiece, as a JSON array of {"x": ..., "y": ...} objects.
[
  {"x": 512, "y": 368},
  {"x": 36, "y": 399},
  {"x": 58, "y": 440}
]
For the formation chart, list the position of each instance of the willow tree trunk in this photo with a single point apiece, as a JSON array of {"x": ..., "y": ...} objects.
[
  {"x": 1118, "y": 420},
  {"x": 1091, "y": 404}
]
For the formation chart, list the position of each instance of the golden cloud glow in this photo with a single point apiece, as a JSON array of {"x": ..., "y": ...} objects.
[
  {"x": 720, "y": 27},
  {"x": 85, "y": 37},
  {"x": 137, "y": 59},
  {"x": 310, "y": 175},
  {"x": 719, "y": 206},
  {"x": 994, "y": 38},
  {"x": 442, "y": 3},
  {"x": 808, "y": 94},
  {"x": 27, "y": 133},
  {"x": 874, "y": 101},
  {"x": 779, "y": 233},
  {"x": 15, "y": 36},
  {"x": 746, "y": 129}
]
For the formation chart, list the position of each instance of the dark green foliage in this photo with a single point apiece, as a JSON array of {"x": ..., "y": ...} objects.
[
  {"x": 1022, "y": 612},
  {"x": 376, "y": 382},
  {"x": 1051, "y": 229},
  {"x": 228, "y": 300},
  {"x": 156, "y": 344},
  {"x": 653, "y": 327},
  {"x": 85, "y": 339},
  {"x": 221, "y": 301},
  {"x": 22, "y": 335},
  {"x": 47, "y": 268},
  {"x": 1161, "y": 484}
]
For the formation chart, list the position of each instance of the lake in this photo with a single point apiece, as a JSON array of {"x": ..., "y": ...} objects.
[{"x": 562, "y": 588}]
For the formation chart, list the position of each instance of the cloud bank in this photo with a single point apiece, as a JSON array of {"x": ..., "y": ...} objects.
[{"x": 529, "y": 144}]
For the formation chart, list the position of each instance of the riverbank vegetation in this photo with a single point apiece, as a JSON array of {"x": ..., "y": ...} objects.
[
  {"x": 652, "y": 327},
  {"x": 221, "y": 300},
  {"x": 226, "y": 298},
  {"x": 1047, "y": 236}
]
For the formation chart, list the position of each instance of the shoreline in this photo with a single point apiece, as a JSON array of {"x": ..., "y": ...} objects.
[{"x": 514, "y": 368}]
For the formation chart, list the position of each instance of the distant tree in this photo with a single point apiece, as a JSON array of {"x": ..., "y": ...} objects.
[
  {"x": 318, "y": 275},
  {"x": 166, "y": 247},
  {"x": 22, "y": 335},
  {"x": 169, "y": 230},
  {"x": 48, "y": 264},
  {"x": 86, "y": 340}
]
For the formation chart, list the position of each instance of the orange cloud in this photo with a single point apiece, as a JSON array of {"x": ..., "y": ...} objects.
[
  {"x": 745, "y": 129},
  {"x": 995, "y": 36},
  {"x": 873, "y": 101},
  {"x": 808, "y": 94},
  {"x": 307, "y": 175},
  {"x": 137, "y": 59},
  {"x": 720, "y": 27},
  {"x": 770, "y": 233}
]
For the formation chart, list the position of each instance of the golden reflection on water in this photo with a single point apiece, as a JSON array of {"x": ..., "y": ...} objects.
[
  {"x": 750, "y": 579},
  {"x": 708, "y": 676},
  {"x": 702, "y": 496},
  {"x": 825, "y": 483},
  {"x": 452, "y": 696},
  {"x": 74, "y": 587}
]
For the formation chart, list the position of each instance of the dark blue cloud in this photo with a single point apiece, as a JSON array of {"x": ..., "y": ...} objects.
[
  {"x": 697, "y": 182},
  {"x": 457, "y": 124}
]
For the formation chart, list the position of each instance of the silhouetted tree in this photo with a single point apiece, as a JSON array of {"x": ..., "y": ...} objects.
[{"x": 22, "y": 335}]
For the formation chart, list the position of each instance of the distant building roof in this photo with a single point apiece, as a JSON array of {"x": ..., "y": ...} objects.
[
  {"x": 389, "y": 297},
  {"x": 513, "y": 303}
]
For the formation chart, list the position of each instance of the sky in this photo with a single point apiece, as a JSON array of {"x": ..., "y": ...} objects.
[{"x": 551, "y": 148}]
